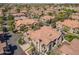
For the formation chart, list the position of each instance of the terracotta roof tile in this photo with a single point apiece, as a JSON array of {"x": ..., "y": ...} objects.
[
  {"x": 45, "y": 33},
  {"x": 25, "y": 21},
  {"x": 71, "y": 23},
  {"x": 71, "y": 49}
]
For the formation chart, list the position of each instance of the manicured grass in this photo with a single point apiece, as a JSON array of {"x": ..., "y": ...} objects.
[
  {"x": 29, "y": 48},
  {"x": 69, "y": 37},
  {"x": 1, "y": 20},
  {"x": 11, "y": 25},
  {"x": 0, "y": 29}
]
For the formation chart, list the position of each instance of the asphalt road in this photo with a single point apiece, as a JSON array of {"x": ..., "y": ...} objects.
[{"x": 13, "y": 41}]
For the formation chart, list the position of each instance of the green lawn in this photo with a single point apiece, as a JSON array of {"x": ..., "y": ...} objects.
[
  {"x": 1, "y": 20},
  {"x": 0, "y": 29},
  {"x": 29, "y": 48},
  {"x": 11, "y": 25},
  {"x": 70, "y": 36}
]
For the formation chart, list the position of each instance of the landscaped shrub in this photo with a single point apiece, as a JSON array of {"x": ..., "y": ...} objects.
[
  {"x": 66, "y": 29},
  {"x": 24, "y": 28},
  {"x": 21, "y": 41}
]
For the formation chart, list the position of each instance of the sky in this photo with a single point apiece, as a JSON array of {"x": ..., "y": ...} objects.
[{"x": 39, "y": 1}]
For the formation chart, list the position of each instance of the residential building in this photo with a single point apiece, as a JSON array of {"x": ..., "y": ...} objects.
[
  {"x": 75, "y": 16},
  {"x": 46, "y": 18},
  {"x": 18, "y": 18},
  {"x": 25, "y": 21},
  {"x": 18, "y": 14},
  {"x": 44, "y": 39},
  {"x": 68, "y": 25}
]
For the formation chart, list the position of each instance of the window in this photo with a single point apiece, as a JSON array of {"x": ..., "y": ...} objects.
[
  {"x": 40, "y": 40},
  {"x": 43, "y": 46},
  {"x": 54, "y": 42},
  {"x": 50, "y": 46}
]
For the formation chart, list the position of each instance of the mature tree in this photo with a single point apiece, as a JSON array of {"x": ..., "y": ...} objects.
[
  {"x": 23, "y": 28},
  {"x": 10, "y": 17},
  {"x": 21, "y": 41},
  {"x": 18, "y": 10}
]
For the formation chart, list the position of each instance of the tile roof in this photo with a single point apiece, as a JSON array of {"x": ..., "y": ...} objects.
[
  {"x": 21, "y": 17},
  {"x": 25, "y": 21},
  {"x": 18, "y": 14},
  {"x": 75, "y": 16},
  {"x": 71, "y": 23},
  {"x": 45, "y": 33},
  {"x": 71, "y": 49}
]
